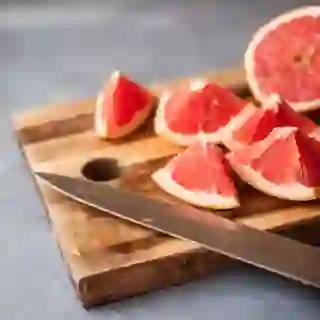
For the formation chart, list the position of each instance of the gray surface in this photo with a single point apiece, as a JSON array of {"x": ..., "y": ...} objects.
[{"x": 55, "y": 51}]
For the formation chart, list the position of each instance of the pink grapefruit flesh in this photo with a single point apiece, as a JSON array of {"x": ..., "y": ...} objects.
[
  {"x": 276, "y": 112},
  {"x": 121, "y": 107},
  {"x": 285, "y": 164},
  {"x": 198, "y": 108},
  {"x": 284, "y": 57},
  {"x": 200, "y": 176}
]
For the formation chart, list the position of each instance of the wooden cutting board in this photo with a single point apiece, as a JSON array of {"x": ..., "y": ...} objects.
[{"x": 107, "y": 258}]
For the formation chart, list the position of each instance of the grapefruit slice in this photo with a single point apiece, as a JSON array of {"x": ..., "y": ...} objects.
[
  {"x": 284, "y": 165},
  {"x": 200, "y": 176},
  {"x": 198, "y": 107},
  {"x": 276, "y": 112},
  {"x": 121, "y": 107},
  {"x": 283, "y": 57}
]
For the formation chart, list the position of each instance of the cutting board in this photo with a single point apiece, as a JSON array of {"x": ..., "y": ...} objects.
[{"x": 108, "y": 259}]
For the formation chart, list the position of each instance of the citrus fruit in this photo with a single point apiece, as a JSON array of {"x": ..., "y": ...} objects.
[
  {"x": 283, "y": 57},
  {"x": 275, "y": 112},
  {"x": 198, "y": 107},
  {"x": 285, "y": 164},
  {"x": 121, "y": 107},
  {"x": 200, "y": 176}
]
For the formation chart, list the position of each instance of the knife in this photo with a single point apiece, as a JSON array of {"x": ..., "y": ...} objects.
[{"x": 266, "y": 250}]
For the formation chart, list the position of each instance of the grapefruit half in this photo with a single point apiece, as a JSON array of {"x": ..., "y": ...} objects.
[
  {"x": 276, "y": 112},
  {"x": 284, "y": 165},
  {"x": 200, "y": 176},
  {"x": 121, "y": 107},
  {"x": 198, "y": 107},
  {"x": 283, "y": 57}
]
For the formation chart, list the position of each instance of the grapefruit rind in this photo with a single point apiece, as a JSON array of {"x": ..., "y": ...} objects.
[
  {"x": 163, "y": 178},
  {"x": 258, "y": 37}
]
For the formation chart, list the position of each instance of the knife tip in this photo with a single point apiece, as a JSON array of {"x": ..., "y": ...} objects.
[
  {"x": 47, "y": 176},
  {"x": 41, "y": 174}
]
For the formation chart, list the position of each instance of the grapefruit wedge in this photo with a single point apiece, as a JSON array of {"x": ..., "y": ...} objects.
[
  {"x": 198, "y": 107},
  {"x": 283, "y": 57},
  {"x": 200, "y": 176},
  {"x": 276, "y": 112},
  {"x": 284, "y": 165},
  {"x": 121, "y": 107}
]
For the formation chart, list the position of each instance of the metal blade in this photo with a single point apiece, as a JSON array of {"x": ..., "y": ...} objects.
[{"x": 266, "y": 250}]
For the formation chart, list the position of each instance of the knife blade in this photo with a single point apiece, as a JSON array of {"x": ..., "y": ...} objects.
[{"x": 266, "y": 250}]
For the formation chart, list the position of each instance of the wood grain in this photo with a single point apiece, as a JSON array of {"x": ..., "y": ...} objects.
[{"x": 107, "y": 258}]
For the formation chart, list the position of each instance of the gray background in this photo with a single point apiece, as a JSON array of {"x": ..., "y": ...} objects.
[{"x": 55, "y": 51}]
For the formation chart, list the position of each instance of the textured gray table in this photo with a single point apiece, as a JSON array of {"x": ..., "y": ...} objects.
[{"x": 55, "y": 51}]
